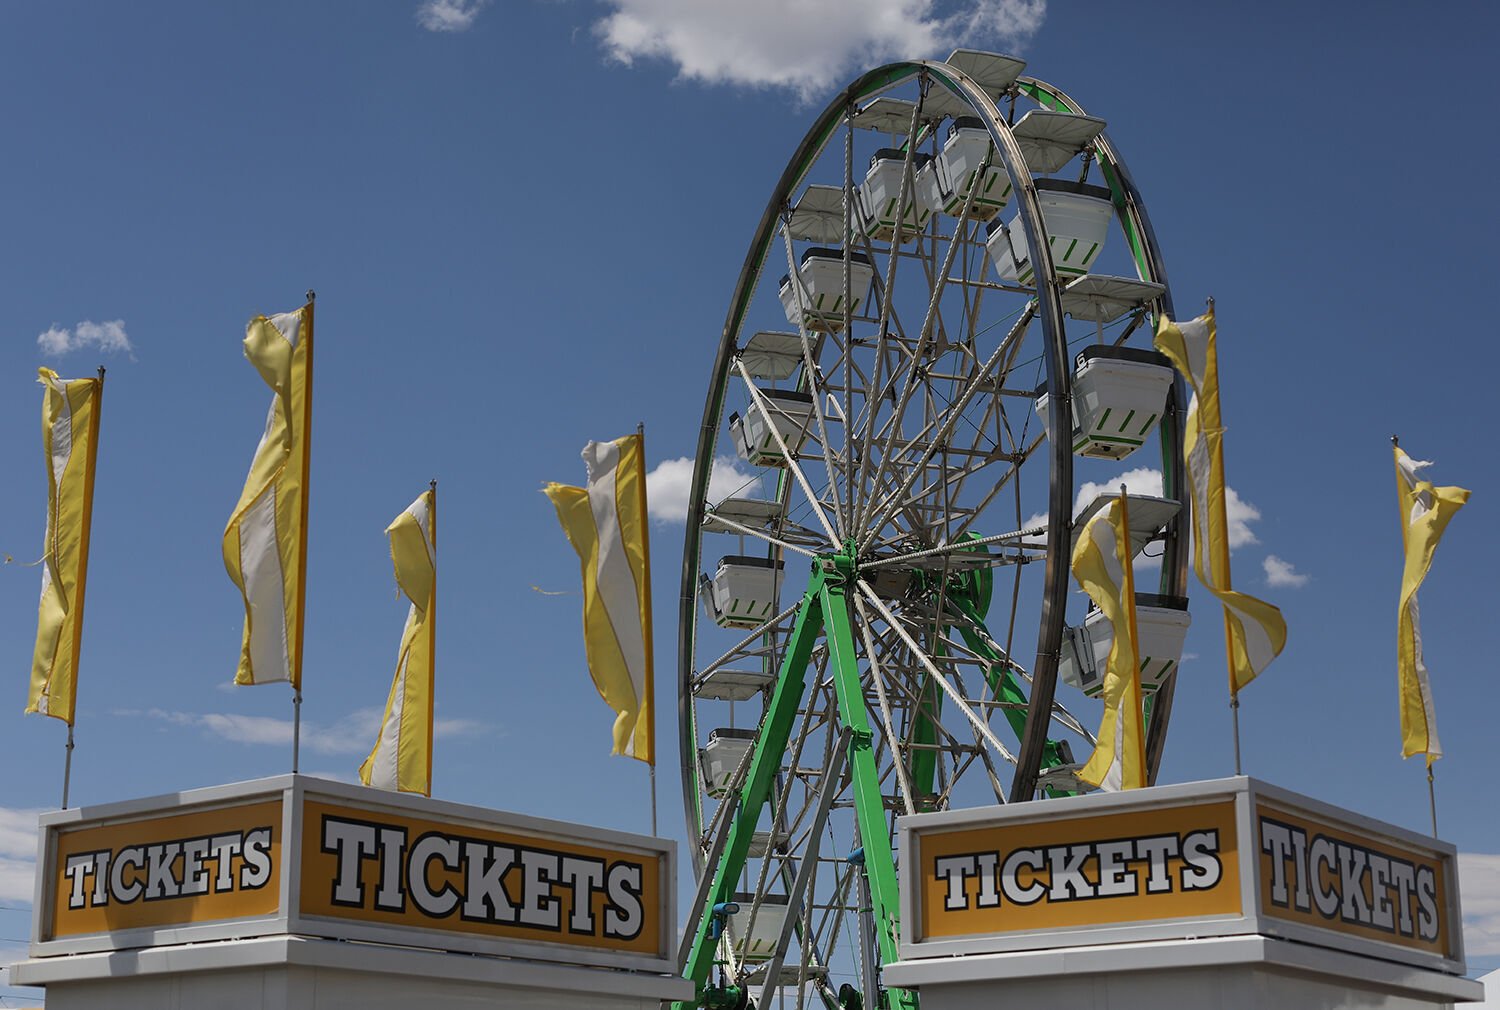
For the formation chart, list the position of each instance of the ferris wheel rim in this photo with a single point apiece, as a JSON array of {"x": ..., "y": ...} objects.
[
  {"x": 814, "y": 141},
  {"x": 1057, "y": 364}
]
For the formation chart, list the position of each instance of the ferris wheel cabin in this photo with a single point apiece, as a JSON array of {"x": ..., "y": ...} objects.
[
  {"x": 882, "y": 192},
  {"x": 783, "y": 412},
  {"x": 947, "y": 180},
  {"x": 819, "y": 305}
]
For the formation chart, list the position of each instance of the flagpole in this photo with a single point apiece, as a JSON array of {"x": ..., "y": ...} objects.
[
  {"x": 431, "y": 630},
  {"x": 83, "y": 568},
  {"x": 1223, "y": 565},
  {"x": 302, "y": 544},
  {"x": 1432, "y": 799},
  {"x": 1431, "y": 787},
  {"x": 68, "y": 767},
  {"x": 640, "y": 431},
  {"x": 1128, "y": 591}
]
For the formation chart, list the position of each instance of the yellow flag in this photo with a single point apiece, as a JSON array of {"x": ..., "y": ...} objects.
[
  {"x": 70, "y": 439},
  {"x": 1425, "y": 511},
  {"x": 1255, "y": 631},
  {"x": 402, "y": 758},
  {"x": 265, "y": 543},
  {"x": 606, "y": 524},
  {"x": 1102, "y": 564}
]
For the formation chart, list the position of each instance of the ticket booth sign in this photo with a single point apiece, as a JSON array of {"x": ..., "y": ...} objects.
[
  {"x": 1221, "y": 858},
  {"x": 201, "y": 866},
  {"x": 318, "y": 858}
]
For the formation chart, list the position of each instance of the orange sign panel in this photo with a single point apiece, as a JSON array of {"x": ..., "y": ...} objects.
[
  {"x": 1133, "y": 866},
  {"x": 183, "y": 869},
  {"x": 384, "y": 866},
  {"x": 1328, "y": 876}
]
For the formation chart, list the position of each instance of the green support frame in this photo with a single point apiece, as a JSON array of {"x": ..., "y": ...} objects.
[{"x": 825, "y": 608}]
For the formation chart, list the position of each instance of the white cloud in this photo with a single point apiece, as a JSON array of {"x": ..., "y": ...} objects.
[
  {"x": 449, "y": 15},
  {"x": 109, "y": 337},
  {"x": 670, "y": 483},
  {"x": 1241, "y": 514},
  {"x": 1479, "y": 879},
  {"x": 17, "y": 854},
  {"x": 1143, "y": 480},
  {"x": 807, "y": 47},
  {"x": 352, "y": 734},
  {"x": 1282, "y": 573}
]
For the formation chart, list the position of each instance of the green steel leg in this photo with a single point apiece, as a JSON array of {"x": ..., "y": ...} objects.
[
  {"x": 770, "y": 746},
  {"x": 869, "y": 807},
  {"x": 1003, "y": 683},
  {"x": 924, "y": 732}
]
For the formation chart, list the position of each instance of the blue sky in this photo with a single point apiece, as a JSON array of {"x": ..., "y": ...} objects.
[{"x": 523, "y": 222}]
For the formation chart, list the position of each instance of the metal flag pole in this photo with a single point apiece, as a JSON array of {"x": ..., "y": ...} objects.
[
  {"x": 431, "y": 630},
  {"x": 302, "y": 546},
  {"x": 68, "y": 767},
  {"x": 1234, "y": 691},
  {"x": 72, "y": 715},
  {"x": 1432, "y": 800},
  {"x": 640, "y": 432},
  {"x": 1431, "y": 787}
]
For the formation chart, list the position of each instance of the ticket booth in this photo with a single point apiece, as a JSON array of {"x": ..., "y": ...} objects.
[
  {"x": 1230, "y": 894},
  {"x": 294, "y": 892}
]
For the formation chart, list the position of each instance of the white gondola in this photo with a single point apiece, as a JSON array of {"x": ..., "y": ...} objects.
[
  {"x": 946, "y": 180},
  {"x": 1119, "y": 394},
  {"x": 788, "y": 410},
  {"x": 752, "y": 513},
  {"x": 1162, "y": 625},
  {"x": 721, "y": 757},
  {"x": 1049, "y": 139},
  {"x": 757, "y": 941},
  {"x": 1149, "y": 515},
  {"x": 773, "y": 355},
  {"x": 762, "y": 843},
  {"x": 1097, "y": 298},
  {"x": 733, "y": 685},
  {"x": 822, "y": 295},
  {"x": 818, "y": 216},
  {"x": 744, "y": 591},
  {"x": 881, "y": 190},
  {"x": 1076, "y": 216},
  {"x": 993, "y": 72}
]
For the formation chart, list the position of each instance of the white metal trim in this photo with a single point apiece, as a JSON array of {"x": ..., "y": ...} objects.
[
  {"x": 1184, "y": 953},
  {"x": 367, "y": 958}
]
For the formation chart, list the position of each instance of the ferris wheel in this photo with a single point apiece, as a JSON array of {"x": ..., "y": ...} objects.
[{"x": 941, "y": 333}]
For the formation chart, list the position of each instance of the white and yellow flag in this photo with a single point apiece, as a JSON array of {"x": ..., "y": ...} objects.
[
  {"x": 402, "y": 758},
  {"x": 1102, "y": 564},
  {"x": 606, "y": 524},
  {"x": 1255, "y": 630},
  {"x": 265, "y": 543},
  {"x": 70, "y": 438},
  {"x": 1425, "y": 511}
]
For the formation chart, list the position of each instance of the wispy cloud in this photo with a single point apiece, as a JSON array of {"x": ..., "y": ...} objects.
[
  {"x": 1282, "y": 573},
  {"x": 1479, "y": 879},
  {"x": 670, "y": 483},
  {"x": 449, "y": 15},
  {"x": 806, "y": 47},
  {"x": 17, "y": 854},
  {"x": 352, "y": 734},
  {"x": 109, "y": 337}
]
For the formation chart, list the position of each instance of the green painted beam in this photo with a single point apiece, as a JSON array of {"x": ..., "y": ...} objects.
[
  {"x": 869, "y": 807},
  {"x": 770, "y": 747}
]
